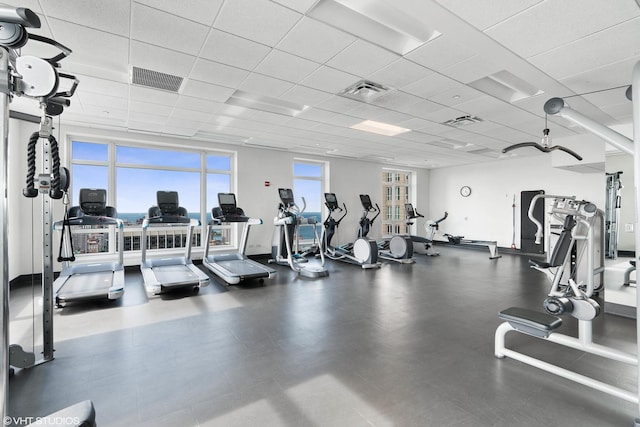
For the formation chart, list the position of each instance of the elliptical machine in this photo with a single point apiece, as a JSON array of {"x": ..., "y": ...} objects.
[
  {"x": 286, "y": 223},
  {"x": 398, "y": 248},
  {"x": 363, "y": 251},
  {"x": 422, "y": 245}
]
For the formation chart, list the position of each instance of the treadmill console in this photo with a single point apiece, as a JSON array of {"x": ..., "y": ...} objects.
[
  {"x": 93, "y": 201},
  {"x": 286, "y": 196},
  {"x": 228, "y": 210},
  {"x": 227, "y": 203},
  {"x": 168, "y": 201}
]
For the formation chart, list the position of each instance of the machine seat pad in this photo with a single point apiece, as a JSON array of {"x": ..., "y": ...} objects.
[
  {"x": 531, "y": 322},
  {"x": 82, "y": 414}
]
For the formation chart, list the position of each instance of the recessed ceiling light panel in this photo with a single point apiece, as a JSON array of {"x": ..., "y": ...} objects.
[
  {"x": 377, "y": 21},
  {"x": 506, "y": 86},
  {"x": 380, "y": 128},
  {"x": 265, "y": 103}
]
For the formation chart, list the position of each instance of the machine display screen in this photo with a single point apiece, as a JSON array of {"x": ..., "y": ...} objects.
[
  {"x": 286, "y": 195},
  {"x": 366, "y": 201},
  {"x": 227, "y": 202},
  {"x": 331, "y": 199}
]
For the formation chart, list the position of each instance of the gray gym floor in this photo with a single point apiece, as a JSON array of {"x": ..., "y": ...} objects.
[{"x": 406, "y": 345}]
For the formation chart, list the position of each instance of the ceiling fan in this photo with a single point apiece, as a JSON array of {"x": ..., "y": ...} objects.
[{"x": 544, "y": 145}]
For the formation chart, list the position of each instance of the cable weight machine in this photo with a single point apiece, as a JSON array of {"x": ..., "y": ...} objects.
[{"x": 37, "y": 79}]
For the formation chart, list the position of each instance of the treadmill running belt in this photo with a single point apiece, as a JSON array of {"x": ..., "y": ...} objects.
[
  {"x": 175, "y": 275},
  {"x": 87, "y": 284}
]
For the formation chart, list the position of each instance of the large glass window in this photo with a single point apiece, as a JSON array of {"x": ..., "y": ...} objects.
[
  {"x": 396, "y": 191},
  {"x": 308, "y": 190},
  {"x": 137, "y": 173}
]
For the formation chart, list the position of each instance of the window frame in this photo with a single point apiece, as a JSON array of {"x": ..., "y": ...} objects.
[{"x": 112, "y": 189}]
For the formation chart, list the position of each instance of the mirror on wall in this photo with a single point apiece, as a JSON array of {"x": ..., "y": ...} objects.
[{"x": 620, "y": 298}]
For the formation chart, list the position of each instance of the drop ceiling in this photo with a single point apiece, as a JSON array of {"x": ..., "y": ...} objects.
[{"x": 270, "y": 73}]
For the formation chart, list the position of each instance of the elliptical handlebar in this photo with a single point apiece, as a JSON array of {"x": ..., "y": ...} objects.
[{"x": 438, "y": 221}]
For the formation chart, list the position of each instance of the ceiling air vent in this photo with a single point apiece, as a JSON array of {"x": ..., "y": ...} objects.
[
  {"x": 155, "y": 79},
  {"x": 463, "y": 121},
  {"x": 364, "y": 91}
]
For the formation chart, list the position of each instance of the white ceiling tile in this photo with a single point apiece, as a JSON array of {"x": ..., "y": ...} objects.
[
  {"x": 258, "y": 20},
  {"x": 233, "y": 50},
  {"x": 475, "y": 68},
  {"x": 483, "y": 106},
  {"x": 456, "y": 95},
  {"x": 443, "y": 115},
  {"x": 111, "y": 16},
  {"x": 329, "y": 80},
  {"x": 485, "y": 14},
  {"x": 139, "y": 93},
  {"x": 339, "y": 104},
  {"x": 96, "y": 48},
  {"x": 104, "y": 102},
  {"x": 305, "y": 96},
  {"x": 196, "y": 116},
  {"x": 198, "y": 104},
  {"x": 202, "y": 11},
  {"x": 612, "y": 45},
  {"x": 220, "y": 74},
  {"x": 149, "y": 108},
  {"x": 197, "y": 89},
  {"x": 144, "y": 121},
  {"x": 315, "y": 41},
  {"x": 286, "y": 66},
  {"x": 422, "y": 108},
  {"x": 362, "y": 58},
  {"x": 400, "y": 73},
  {"x": 301, "y": 6},
  {"x": 156, "y": 58},
  {"x": 606, "y": 77},
  {"x": 432, "y": 85},
  {"x": 105, "y": 87},
  {"x": 398, "y": 100},
  {"x": 442, "y": 52},
  {"x": 265, "y": 85},
  {"x": 550, "y": 24},
  {"x": 184, "y": 36},
  {"x": 300, "y": 123}
]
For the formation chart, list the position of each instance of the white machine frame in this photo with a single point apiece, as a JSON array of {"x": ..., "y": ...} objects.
[{"x": 585, "y": 341}]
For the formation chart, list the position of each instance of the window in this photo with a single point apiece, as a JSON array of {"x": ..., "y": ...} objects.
[
  {"x": 308, "y": 178},
  {"x": 137, "y": 173},
  {"x": 396, "y": 186}
]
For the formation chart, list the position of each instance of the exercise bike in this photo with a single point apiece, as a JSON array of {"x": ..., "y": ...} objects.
[
  {"x": 398, "y": 248},
  {"x": 363, "y": 251},
  {"x": 422, "y": 245}
]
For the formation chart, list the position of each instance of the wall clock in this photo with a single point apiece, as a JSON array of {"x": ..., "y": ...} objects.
[{"x": 465, "y": 191}]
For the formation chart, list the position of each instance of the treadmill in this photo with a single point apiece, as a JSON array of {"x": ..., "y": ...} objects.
[
  {"x": 233, "y": 267},
  {"x": 90, "y": 280},
  {"x": 162, "y": 274}
]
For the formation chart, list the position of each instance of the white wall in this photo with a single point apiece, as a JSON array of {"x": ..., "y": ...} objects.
[
  {"x": 487, "y": 213},
  {"x": 348, "y": 178}
]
